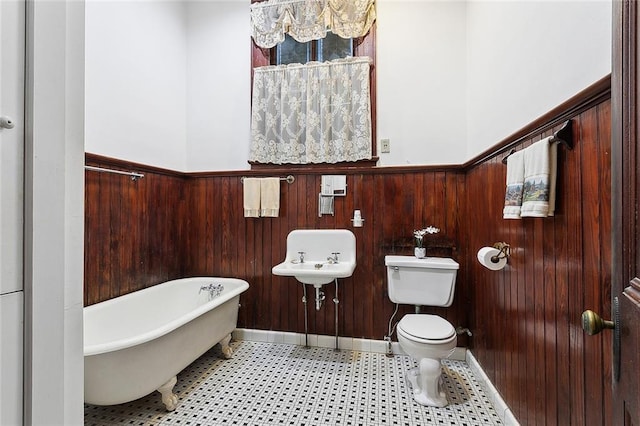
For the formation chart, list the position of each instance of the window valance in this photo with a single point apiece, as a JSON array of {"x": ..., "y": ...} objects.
[{"x": 307, "y": 20}]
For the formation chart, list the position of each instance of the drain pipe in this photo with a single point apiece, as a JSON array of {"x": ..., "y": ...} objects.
[{"x": 319, "y": 298}]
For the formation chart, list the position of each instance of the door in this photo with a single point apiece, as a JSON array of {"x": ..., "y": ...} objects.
[
  {"x": 12, "y": 58},
  {"x": 625, "y": 285}
]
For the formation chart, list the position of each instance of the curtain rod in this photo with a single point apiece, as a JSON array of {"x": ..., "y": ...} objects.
[
  {"x": 312, "y": 64},
  {"x": 134, "y": 176}
]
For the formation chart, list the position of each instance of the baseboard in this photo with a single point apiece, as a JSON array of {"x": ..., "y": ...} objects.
[
  {"x": 323, "y": 341},
  {"x": 504, "y": 412}
]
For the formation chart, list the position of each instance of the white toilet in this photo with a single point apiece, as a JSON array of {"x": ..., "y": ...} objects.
[{"x": 426, "y": 338}]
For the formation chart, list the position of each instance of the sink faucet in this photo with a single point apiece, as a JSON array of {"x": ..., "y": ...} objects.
[
  {"x": 301, "y": 253},
  {"x": 334, "y": 257}
]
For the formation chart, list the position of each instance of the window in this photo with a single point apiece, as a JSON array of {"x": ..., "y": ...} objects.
[
  {"x": 331, "y": 47},
  {"x": 291, "y": 51}
]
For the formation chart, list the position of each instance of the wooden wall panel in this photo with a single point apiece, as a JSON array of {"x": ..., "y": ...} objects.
[
  {"x": 393, "y": 205},
  {"x": 133, "y": 231},
  {"x": 163, "y": 227},
  {"x": 526, "y": 318}
]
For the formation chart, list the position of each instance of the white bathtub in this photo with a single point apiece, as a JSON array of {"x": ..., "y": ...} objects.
[{"x": 137, "y": 343}]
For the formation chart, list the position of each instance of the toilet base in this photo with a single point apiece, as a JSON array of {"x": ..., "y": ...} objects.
[{"x": 426, "y": 382}]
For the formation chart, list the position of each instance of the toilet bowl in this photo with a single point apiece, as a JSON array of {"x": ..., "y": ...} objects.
[{"x": 426, "y": 338}]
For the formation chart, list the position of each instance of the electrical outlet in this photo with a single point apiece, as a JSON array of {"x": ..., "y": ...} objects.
[{"x": 385, "y": 146}]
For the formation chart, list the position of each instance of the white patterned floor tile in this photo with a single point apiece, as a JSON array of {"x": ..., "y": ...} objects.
[{"x": 282, "y": 384}]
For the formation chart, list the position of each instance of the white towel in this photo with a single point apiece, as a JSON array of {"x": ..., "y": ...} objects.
[
  {"x": 540, "y": 163},
  {"x": 251, "y": 192},
  {"x": 553, "y": 177},
  {"x": 269, "y": 197},
  {"x": 515, "y": 182}
]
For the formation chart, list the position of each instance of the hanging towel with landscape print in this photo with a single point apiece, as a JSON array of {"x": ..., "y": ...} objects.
[
  {"x": 539, "y": 191},
  {"x": 515, "y": 182}
]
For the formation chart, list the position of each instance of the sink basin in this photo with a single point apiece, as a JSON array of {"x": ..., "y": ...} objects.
[
  {"x": 318, "y": 245},
  {"x": 314, "y": 273}
]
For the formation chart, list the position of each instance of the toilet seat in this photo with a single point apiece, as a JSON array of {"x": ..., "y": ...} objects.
[{"x": 426, "y": 328}]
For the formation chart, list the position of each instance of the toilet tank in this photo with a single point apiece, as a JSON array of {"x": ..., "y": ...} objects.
[{"x": 428, "y": 282}]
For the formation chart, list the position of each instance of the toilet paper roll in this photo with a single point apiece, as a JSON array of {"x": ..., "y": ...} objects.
[{"x": 484, "y": 257}]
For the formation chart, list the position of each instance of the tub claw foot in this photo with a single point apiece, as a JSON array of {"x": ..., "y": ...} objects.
[
  {"x": 169, "y": 399},
  {"x": 227, "y": 351}
]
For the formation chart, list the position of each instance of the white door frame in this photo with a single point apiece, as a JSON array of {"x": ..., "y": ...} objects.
[{"x": 54, "y": 213}]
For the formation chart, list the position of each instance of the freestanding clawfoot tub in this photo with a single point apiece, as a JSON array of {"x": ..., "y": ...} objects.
[{"x": 137, "y": 343}]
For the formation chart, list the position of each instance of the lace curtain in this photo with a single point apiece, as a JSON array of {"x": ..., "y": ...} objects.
[
  {"x": 307, "y": 20},
  {"x": 312, "y": 113}
]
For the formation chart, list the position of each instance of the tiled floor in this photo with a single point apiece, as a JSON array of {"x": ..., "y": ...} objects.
[{"x": 279, "y": 384}]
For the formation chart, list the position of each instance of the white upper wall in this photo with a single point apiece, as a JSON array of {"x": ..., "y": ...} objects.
[
  {"x": 168, "y": 82},
  {"x": 527, "y": 57},
  {"x": 136, "y": 80},
  {"x": 421, "y": 81},
  {"x": 219, "y": 85}
]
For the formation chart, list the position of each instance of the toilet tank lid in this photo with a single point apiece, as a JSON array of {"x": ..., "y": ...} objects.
[{"x": 427, "y": 262}]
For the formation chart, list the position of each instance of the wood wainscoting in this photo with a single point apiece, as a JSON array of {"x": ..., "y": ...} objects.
[
  {"x": 172, "y": 224},
  {"x": 133, "y": 229},
  {"x": 525, "y": 319},
  {"x": 393, "y": 203}
]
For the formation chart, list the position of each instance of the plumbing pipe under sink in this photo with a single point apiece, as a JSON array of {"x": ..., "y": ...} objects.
[{"x": 319, "y": 297}]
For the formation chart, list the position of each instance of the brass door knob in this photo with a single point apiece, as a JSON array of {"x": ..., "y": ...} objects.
[{"x": 592, "y": 323}]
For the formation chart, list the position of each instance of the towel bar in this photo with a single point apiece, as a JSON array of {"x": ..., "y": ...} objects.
[
  {"x": 134, "y": 176},
  {"x": 289, "y": 179},
  {"x": 563, "y": 136}
]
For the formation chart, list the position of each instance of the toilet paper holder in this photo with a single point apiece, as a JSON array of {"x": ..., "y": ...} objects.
[{"x": 504, "y": 253}]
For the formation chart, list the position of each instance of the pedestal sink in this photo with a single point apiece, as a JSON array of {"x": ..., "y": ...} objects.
[{"x": 318, "y": 257}]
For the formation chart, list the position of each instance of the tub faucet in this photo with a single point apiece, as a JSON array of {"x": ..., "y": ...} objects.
[
  {"x": 334, "y": 257},
  {"x": 214, "y": 290}
]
